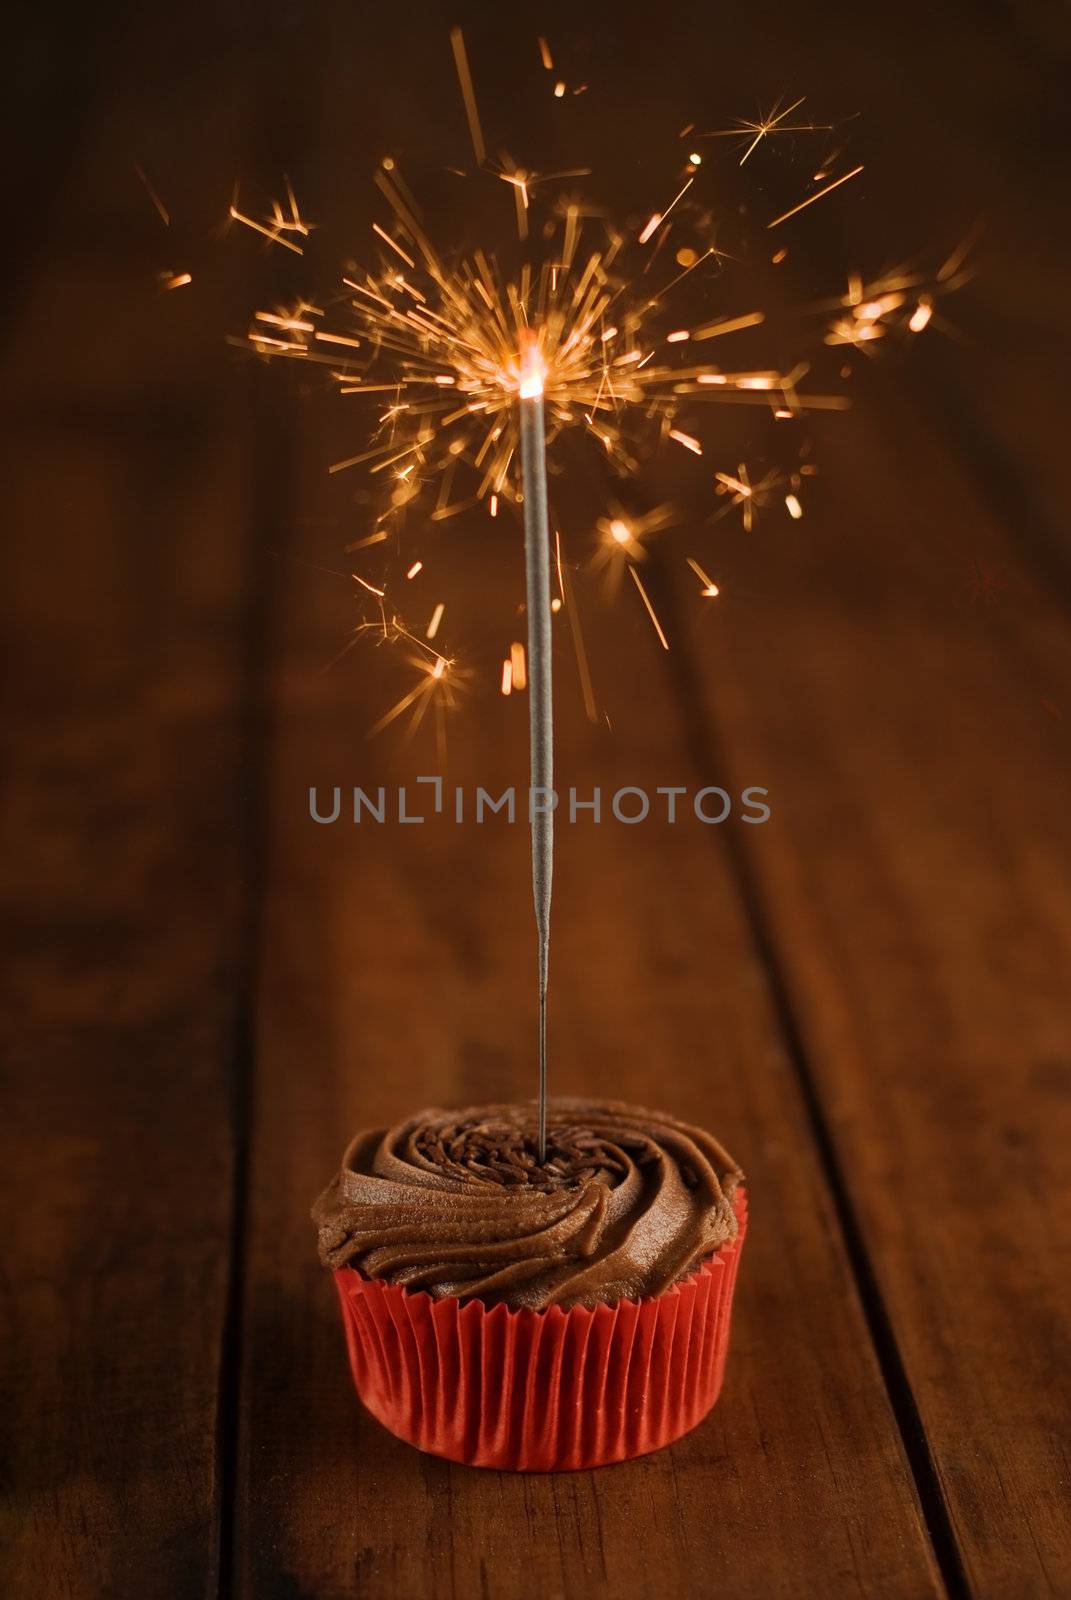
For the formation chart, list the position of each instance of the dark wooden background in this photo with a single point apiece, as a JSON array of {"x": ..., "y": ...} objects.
[{"x": 205, "y": 994}]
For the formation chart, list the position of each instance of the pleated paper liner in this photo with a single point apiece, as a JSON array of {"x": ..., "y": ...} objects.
[{"x": 542, "y": 1391}]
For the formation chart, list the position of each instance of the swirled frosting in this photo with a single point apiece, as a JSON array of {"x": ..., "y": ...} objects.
[{"x": 627, "y": 1202}]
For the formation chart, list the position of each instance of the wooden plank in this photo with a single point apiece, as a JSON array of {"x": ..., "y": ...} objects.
[
  {"x": 397, "y": 972},
  {"x": 124, "y": 554},
  {"x": 925, "y": 700},
  {"x": 913, "y": 730},
  {"x": 57, "y": 65},
  {"x": 118, "y": 1025}
]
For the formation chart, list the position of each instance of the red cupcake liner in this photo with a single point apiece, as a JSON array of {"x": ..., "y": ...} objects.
[{"x": 542, "y": 1391}]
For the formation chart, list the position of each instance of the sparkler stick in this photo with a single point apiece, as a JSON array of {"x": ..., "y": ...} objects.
[{"x": 540, "y": 686}]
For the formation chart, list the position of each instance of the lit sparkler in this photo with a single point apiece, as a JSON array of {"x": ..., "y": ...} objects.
[
  {"x": 476, "y": 368},
  {"x": 476, "y": 372},
  {"x": 541, "y": 696}
]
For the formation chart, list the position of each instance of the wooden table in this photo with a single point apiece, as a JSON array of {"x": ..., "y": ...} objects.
[{"x": 206, "y": 993}]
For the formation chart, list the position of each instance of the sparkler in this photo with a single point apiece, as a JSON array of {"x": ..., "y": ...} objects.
[
  {"x": 478, "y": 372},
  {"x": 472, "y": 367},
  {"x": 540, "y": 685}
]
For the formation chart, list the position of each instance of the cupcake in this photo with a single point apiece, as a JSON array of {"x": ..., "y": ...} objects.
[{"x": 536, "y": 1317}]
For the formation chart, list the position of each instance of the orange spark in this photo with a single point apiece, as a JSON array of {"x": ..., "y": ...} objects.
[
  {"x": 812, "y": 198},
  {"x": 468, "y": 94},
  {"x": 645, "y": 597},
  {"x": 710, "y": 589},
  {"x": 161, "y": 210}
]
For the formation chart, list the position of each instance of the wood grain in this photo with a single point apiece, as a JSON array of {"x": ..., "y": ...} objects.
[
  {"x": 914, "y": 736},
  {"x": 123, "y": 893},
  {"x": 121, "y": 911}
]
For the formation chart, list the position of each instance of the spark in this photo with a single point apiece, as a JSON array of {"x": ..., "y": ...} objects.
[
  {"x": 660, "y": 216},
  {"x": 270, "y": 232},
  {"x": 751, "y": 134},
  {"x": 795, "y": 510},
  {"x": 572, "y": 611},
  {"x": 710, "y": 589},
  {"x": 901, "y": 301},
  {"x": 717, "y": 330},
  {"x": 385, "y": 236},
  {"x": 418, "y": 566},
  {"x": 645, "y": 597},
  {"x": 517, "y": 666},
  {"x": 524, "y": 184},
  {"x": 436, "y": 617},
  {"x": 622, "y": 539},
  {"x": 468, "y": 94},
  {"x": 810, "y": 200},
  {"x": 337, "y": 338},
  {"x": 745, "y": 494},
  {"x": 438, "y": 684},
  {"x": 161, "y": 210},
  {"x": 291, "y": 324},
  {"x": 949, "y": 273},
  {"x": 439, "y": 680},
  {"x": 176, "y": 281},
  {"x": 366, "y": 585}
]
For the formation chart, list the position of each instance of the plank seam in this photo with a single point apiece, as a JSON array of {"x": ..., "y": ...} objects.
[
  {"x": 704, "y": 742},
  {"x": 271, "y": 502}
]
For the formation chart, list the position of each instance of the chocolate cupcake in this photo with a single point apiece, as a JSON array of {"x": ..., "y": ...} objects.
[{"x": 538, "y": 1317}]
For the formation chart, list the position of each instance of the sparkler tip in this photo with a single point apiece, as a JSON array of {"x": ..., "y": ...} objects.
[{"x": 533, "y": 372}]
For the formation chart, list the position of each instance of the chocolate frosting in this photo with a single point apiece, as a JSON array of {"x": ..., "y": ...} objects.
[{"x": 627, "y": 1203}]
